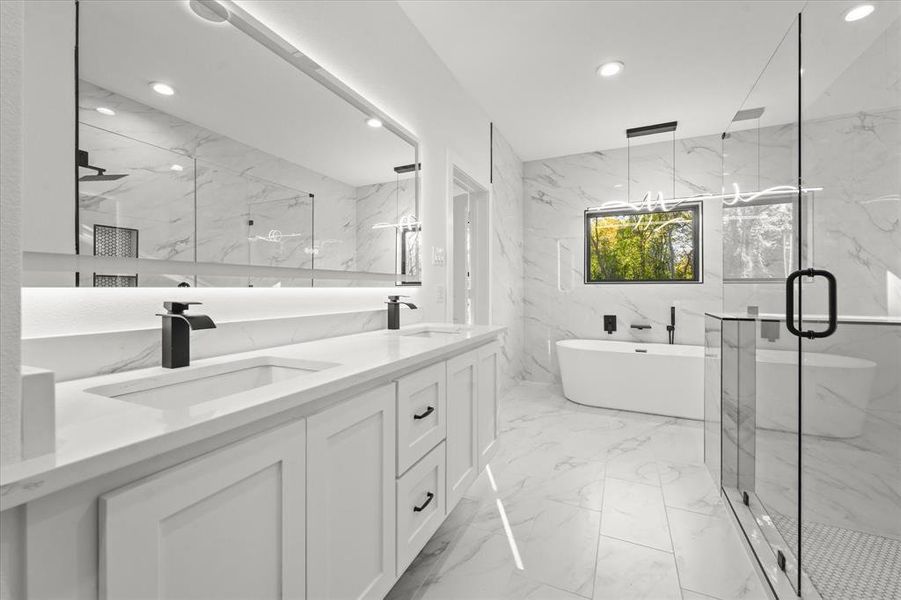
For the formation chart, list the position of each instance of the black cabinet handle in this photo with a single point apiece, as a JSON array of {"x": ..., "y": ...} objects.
[
  {"x": 429, "y": 497},
  {"x": 790, "y": 302},
  {"x": 427, "y": 412}
]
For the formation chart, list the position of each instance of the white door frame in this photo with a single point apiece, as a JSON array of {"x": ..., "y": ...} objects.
[{"x": 482, "y": 202}]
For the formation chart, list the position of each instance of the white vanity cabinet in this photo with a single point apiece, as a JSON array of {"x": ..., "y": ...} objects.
[
  {"x": 228, "y": 524},
  {"x": 462, "y": 412},
  {"x": 333, "y": 503},
  {"x": 488, "y": 412},
  {"x": 351, "y": 498}
]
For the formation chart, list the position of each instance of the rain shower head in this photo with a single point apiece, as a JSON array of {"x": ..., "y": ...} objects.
[{"x": 82, "y": 160}]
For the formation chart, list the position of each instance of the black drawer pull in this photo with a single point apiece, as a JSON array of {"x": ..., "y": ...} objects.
[
  {"x": 429, "y": 497},
  {"x": 427, "y": 412}
]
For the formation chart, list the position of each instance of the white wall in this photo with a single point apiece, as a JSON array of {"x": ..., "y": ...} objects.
[
  {"x": 11, "y": 30},
  {"x": 48, "y": 216}
]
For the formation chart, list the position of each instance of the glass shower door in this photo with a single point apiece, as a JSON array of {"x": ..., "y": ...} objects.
[
  {"x": 850, "y": 523},
  {"x": 763, "y": 219}
]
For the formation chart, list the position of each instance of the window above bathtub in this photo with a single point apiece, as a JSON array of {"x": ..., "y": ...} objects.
[{"x": 629, "y": 245}]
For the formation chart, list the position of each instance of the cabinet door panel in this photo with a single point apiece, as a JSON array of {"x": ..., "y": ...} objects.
[
  {"x": 229, "y": 524},
  {"x": 488, "y": 403},
  {"x": 351, "y": 498},
  {"x": 462, "y": 454},
  {"x": 420, "y": 505},
  {"x": 421, "y": 406}
]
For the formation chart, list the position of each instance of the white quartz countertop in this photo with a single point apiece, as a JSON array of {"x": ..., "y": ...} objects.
[{"x": 96, "y": 435}]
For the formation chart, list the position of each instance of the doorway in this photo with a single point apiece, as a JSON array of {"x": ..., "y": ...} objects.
[{"x": 470, "y": 250}]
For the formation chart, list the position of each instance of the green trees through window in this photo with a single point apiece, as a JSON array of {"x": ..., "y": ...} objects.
[{"x": 658, "y": 246}]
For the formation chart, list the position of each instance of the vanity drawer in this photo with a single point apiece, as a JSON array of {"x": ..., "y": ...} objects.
[
  {"x": 420, "y": 506},
  {"x": 421, "y": 419}
]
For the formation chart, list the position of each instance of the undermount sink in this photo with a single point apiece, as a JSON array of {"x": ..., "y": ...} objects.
[
  {"x": 202, "y": 384},
  {"x": 429, "y": 332}
]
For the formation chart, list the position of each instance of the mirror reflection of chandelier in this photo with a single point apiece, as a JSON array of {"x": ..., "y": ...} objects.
[
  {"x": 274, "y": 236},
  {"x": 405, "y": 223}
]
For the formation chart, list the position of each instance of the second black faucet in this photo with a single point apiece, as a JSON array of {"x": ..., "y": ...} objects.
[{"x": 394, "y": 303}]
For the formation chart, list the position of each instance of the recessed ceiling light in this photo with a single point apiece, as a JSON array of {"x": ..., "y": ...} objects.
[
  {"x": 618, "y": 186},
  {"x": 106, "y": 111},
  {"x": 374, "y": 122},
  {"x": 209, "y": 10},
  {"x": 176, "y": 168},
  {"x": 609, "y": 69},
  {"x": 859, "y": 12},
  {"x": 163, "y": 89}
]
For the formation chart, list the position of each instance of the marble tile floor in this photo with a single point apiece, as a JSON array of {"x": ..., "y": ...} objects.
[{"x": 583, "y": 502}]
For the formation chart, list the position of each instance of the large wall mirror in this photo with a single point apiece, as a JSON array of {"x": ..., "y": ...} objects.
[{"x": 224, "y": 157}]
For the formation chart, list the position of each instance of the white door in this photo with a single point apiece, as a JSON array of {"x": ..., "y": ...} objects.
[
  {"x": 351, "y": 498},
  {"x": 488, "y": 403},
  {"x": 229, "y": 524},
  {"x": 462, "y": 455}
]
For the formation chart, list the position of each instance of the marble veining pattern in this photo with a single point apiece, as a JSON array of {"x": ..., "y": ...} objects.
[
  {"x": 557, "y": 303},
  {"x": 507, "y": 289},
  {"x": 569, "y": 479},
  {"x": 91, "y": 354}
]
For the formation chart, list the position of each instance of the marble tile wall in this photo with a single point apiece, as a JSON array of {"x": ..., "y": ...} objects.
[
  {"x": 376, "y": 250},
  {"x": 557, "y": 191},
  {"x": 88, "y": 354},
  {"x": 507, "y": 254}
]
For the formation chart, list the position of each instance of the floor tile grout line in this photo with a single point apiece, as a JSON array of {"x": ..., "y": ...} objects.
[
  {"x": 619, "y": 539},
  {"x": 669, "y": 531},
  {"x": 705, "y": 594},
  {"x": 597, "y": 545}
]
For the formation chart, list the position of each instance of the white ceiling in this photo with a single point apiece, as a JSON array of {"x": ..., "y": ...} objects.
[
  {"x": 230, "y": 84},
  {"x": 531, "y": 64}
]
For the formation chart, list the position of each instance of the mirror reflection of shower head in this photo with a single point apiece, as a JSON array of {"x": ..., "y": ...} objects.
[{"x": 82, "y": 160}]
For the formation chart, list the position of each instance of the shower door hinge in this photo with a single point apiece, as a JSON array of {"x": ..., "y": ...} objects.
[{"x": 780, "y": 559}]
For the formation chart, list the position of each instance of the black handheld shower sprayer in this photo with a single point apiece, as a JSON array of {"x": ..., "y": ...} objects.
[
  {"x": 671, "y": 328},
  {"x": 82, "y": 160}
]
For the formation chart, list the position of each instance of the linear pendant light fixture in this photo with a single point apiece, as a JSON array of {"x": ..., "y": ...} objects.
[
  {"x": 651, "y": 129},
  {"x": 632, "y": 132}
]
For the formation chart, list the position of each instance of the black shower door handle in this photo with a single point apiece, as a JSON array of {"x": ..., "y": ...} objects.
[{"x": 790, "y": 303}]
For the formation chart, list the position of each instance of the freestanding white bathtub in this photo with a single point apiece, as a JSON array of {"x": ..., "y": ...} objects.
[
  {"x": 660, "y": 379},
  {"x": 837, "y": 392}
]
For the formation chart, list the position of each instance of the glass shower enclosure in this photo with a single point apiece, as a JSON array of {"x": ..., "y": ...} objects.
[{"x": 810, "y": 337}]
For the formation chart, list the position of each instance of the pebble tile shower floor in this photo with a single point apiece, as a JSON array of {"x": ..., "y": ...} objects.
[
  {"x": 843, "y": 563},
  {"x": 586, "y": 503}
]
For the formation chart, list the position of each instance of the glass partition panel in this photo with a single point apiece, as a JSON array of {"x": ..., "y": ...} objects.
[
  {"x": 762, "y": 243},
  {"x": 850, "y": 523}
]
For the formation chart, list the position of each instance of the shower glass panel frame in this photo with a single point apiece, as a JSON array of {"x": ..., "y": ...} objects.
[{"x": 810, "y": 390}]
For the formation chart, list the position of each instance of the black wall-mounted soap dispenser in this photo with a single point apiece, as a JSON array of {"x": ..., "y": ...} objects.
[{"x": 609, "y": 323}]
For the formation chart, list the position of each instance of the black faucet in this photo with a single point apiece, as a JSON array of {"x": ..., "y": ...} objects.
[
  {"x": 394, "y": 303},
  {"x": 671, "y": 328},
  {"x": 177, "y": 328}
]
